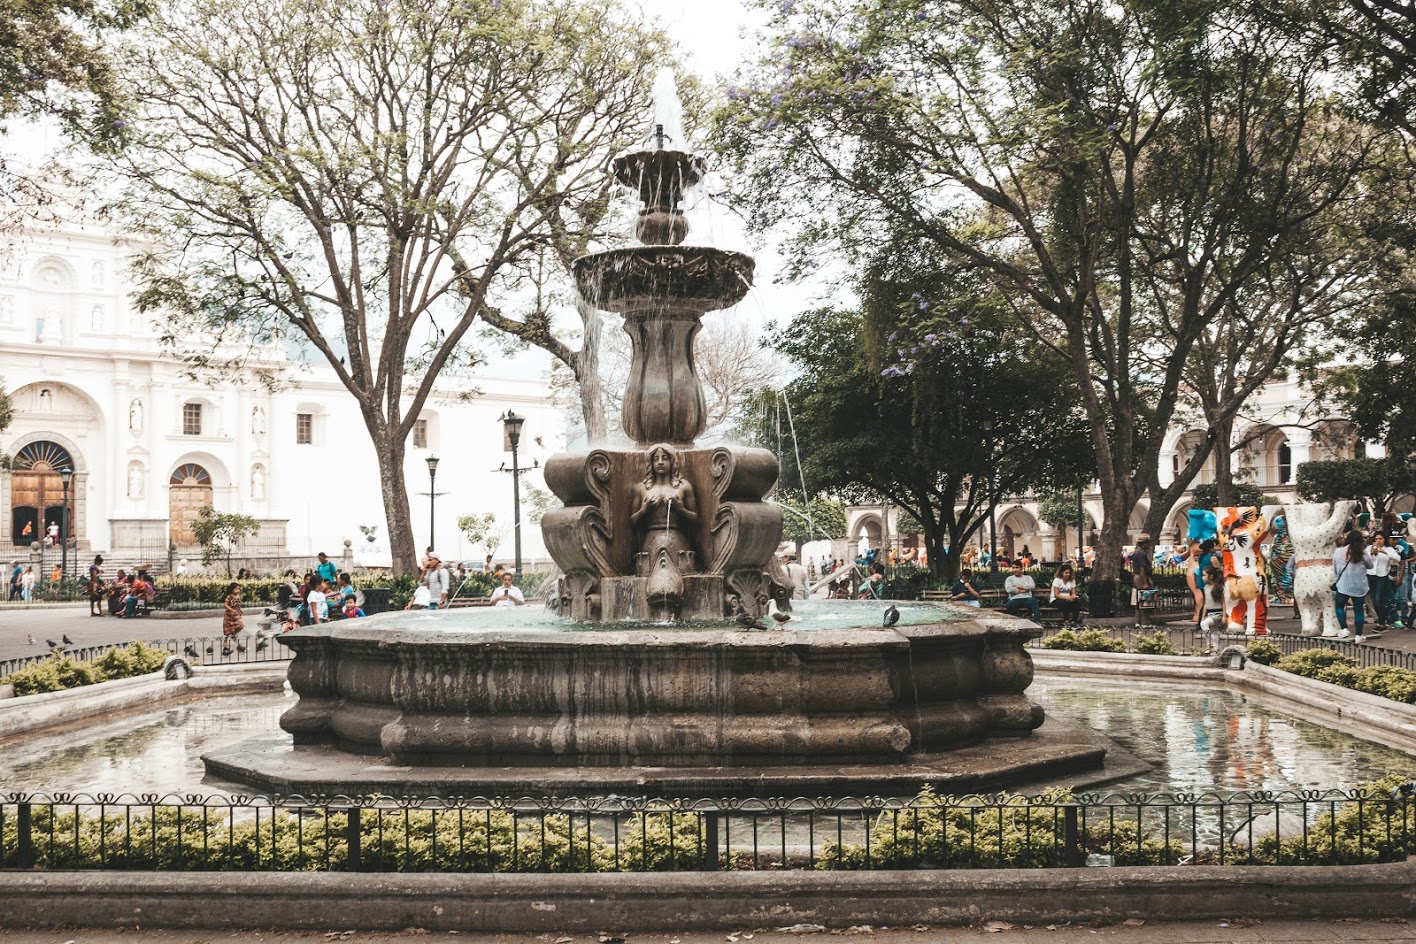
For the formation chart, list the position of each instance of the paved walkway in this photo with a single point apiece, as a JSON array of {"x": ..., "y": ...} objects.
[
  {"x": 1369, "y": 931},
  {"x": 53, "y": 622}
]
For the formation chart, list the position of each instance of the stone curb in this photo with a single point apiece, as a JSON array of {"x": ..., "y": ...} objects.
[
  {"x": 686, "y": 901},
  {"x": 32, "y": 713}
]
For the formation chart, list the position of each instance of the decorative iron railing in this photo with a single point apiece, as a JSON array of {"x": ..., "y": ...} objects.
[
  {"x": 374, "y": 833},
  {"x": 208, "y": 651}
]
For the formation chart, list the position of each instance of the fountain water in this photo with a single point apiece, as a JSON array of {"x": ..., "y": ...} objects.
[{"x": 667, "y": 553}]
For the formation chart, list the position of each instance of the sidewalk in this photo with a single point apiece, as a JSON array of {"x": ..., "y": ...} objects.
[{"x": 1326, "y": 931}]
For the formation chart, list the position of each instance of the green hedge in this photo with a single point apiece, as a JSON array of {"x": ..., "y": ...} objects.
[
  {"x": 1328, "y": 665},
  {"x": 1089, "y": 640},
  {"x": 61, "y": 672}
]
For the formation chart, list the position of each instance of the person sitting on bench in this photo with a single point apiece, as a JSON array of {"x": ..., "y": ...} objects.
[{"x": 1019, "y": 587}]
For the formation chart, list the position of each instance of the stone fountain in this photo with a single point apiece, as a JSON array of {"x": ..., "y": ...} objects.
[
  {"x": 655, "y": 675},
  {"x": 665, "y": 531}
]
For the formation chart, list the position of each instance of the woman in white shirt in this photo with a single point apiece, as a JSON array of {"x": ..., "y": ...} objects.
[
  {"x": 1385, "y": 562},
  {"x": 1064, "y": 595}
]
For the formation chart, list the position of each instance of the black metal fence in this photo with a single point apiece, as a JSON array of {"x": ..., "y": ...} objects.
[
  {"x": 249, "y": 648},
  {"x": 193, "y": 833}
]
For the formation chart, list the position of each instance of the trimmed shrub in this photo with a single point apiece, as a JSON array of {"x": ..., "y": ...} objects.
[
  {"x": 1310, "y": 662},
  {"x": 1388, "y": 681},
  {"x": 1156, "y": 644},
  {"x": 1091, "y": 640},
  {"x": 62, "y": 672},
  {"x": 1264, "y": 652}
]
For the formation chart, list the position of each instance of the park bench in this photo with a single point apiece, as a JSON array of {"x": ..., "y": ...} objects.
[{"x": 457, "y": 603}]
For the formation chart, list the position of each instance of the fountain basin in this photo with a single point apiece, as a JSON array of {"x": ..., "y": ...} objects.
[{"x": 684, "y": 709}]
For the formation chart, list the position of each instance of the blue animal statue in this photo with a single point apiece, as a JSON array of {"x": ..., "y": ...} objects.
[{"x": 1203, "y": 525}]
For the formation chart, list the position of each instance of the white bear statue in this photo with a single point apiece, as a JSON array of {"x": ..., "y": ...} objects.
[{"x": 1313, "y": 528}]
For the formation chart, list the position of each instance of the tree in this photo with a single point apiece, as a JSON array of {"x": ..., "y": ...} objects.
[
  {"x": 1061, "y": 510},
  {"x": 1375, "y": 482},
  {"x": 1118, "y": 172},
  {"x": 481, "y": 529},
  {"x": 1240, "y": 495},
  {"x": 219, "y": 533},
  {"x": 942, "y": 429},
  {"x": 53, "y": 64},
  {"x": 816, "y": 520},
  {"x": 7, "y": 414},
  {"x": 366, "y": 178}
]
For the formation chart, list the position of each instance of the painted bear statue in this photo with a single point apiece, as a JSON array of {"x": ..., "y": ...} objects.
[
  {"x": 1241, "y": 532},
  {"x": 1313, "y": 529}
]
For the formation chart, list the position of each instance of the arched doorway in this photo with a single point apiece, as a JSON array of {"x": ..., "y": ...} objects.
[
  {"x": 37, "y": 491},
  {"x": 189, "y": 491}
]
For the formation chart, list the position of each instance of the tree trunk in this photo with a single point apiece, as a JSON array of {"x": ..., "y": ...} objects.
[
  {"x": 587, "y": 374},
  {"x": 390, "y": 450},
  {"x": 1224, "y": 463},
  {"x": 1116, "y": 516}
]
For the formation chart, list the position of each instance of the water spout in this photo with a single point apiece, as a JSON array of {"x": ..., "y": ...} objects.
[{"x": 667, "y": 123}]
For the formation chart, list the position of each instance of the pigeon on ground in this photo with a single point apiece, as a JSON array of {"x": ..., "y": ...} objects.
[
  {"x": 190, "y": 650},
  {"x": 52, "y": 644},
  {"x": 240, "y": 645},
  {"x": 262, "y": 644},
  {"x": 892, "y": 615},
  {"x": 211, "y": 647},
  {"x": 781, "y": 617},
  {"x": 30, "y": 637},
  {"x": 67, "y": 640}
]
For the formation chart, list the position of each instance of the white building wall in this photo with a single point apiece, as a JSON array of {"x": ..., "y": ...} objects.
[{"x": 68, "y": 327}]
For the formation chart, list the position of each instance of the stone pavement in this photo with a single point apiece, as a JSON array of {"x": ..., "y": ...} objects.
[
  {"x": 16, "y": 624},
  {"x": 1237, "y": 931}
]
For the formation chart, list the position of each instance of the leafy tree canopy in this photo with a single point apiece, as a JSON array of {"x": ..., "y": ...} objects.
[
  {"x": 942, "y": 427},
  {"x": 1375, "y": 482},
  {"x": 219, "y": 533}
]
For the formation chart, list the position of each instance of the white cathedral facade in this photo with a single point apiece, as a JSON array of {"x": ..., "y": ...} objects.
[{"x": 94, "y": 392}]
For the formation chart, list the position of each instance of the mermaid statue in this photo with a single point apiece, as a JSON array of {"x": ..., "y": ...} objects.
[{"x": 664, "y": 517}]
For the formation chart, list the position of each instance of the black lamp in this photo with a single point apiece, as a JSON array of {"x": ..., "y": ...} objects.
[
  {"x": 66, "y": 477},
  {"x": 432, "y": 500},
  {"x": 512, "y": 422}
]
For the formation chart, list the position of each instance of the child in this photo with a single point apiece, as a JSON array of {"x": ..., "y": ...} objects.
[
  {"x": 1214, "y": 620},
  {"x": 351, "y": 607}
]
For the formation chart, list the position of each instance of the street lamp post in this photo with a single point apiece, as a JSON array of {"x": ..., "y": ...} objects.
[
  {"x": 513, "y": 436},
  {"x": 987, "y": 426},
  {"x": 432, "y": 501},
  {"x": 1081, "y": 523},
  {"x": 66, "y": 476}
]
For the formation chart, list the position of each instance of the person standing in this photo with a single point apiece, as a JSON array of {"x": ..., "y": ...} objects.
[
  {"x": 1384, "y": 562},
  {"x": 1350, "y": 561},
  {"x": 17, "y": 574},
  {"x": 95, "y": 586},
  {"x": 508, "y": 594},
  {"x": 435, "y": 578},
  {"x": 798, "y": 576},
  {"x": 325, "y": 569},
  {"x": 233, "y": 620},
  {"x": 27, "y": 583},
  {"x": 1142, "y": 572},
  {"x": 316, "y": 601}
]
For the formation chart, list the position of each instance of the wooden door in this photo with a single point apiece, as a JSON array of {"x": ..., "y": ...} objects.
[{"x": 189, "y": 491}]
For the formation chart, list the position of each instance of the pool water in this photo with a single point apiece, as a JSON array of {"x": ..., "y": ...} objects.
[
  {"x": 1197, "y": 741},
  {"x": 1215, "y": 740}
]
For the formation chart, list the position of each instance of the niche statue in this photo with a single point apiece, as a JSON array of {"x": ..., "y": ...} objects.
[{"x": 664, "y": 517}]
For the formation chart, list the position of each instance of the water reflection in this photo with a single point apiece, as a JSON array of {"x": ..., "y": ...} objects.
[
  {"x": 149, "y": 751},
  {"x": 1215, "y": 740},
  {"x": 1197, "y": 740}
]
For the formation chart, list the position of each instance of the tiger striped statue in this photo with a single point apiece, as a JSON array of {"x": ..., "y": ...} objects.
[{"x": 1241, "y": 532}]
